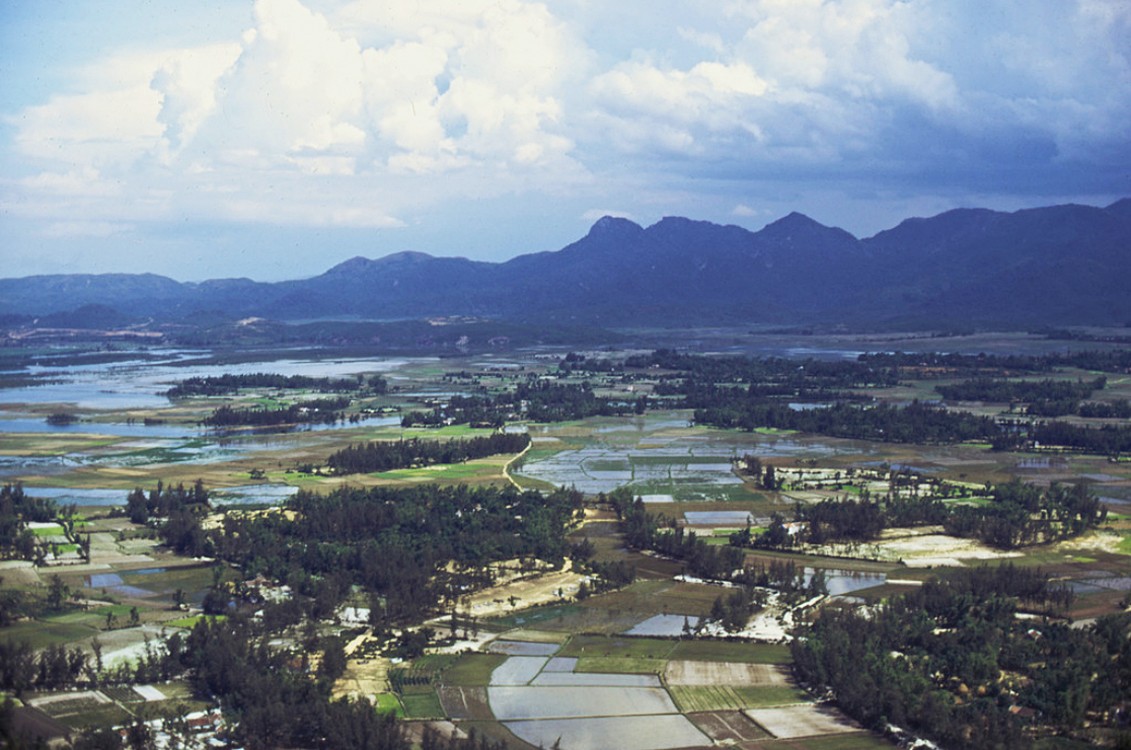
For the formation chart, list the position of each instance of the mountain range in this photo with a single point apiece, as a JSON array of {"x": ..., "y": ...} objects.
[{"x": 1059, "y": 265}]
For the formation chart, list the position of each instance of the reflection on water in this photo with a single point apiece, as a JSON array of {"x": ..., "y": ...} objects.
[
  {"x": 113, "y": 582},
  {"x": 264, "y": 494},
  {"x": 840, "y": 582},
  {"x": 141, "y": 383},
  {"x": 657, "y": 454}
]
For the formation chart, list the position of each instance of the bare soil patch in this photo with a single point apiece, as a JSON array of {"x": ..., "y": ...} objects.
[
  {"x": 724, "y": 673},
  {"x": 363, "y": 678},
  {"x": 517, "y": 590},
  {"x": 802, "y": 720},
  {"x": 918, "y": 550},
  {"x": 19, "y": 573},
  {"x": 728, "y": 726},
  {"x": 463, "y": 703}
]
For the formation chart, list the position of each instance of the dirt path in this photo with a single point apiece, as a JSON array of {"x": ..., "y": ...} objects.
[
  {"x": 363, "y": 677},
  {"x": 508, "y": 464}
]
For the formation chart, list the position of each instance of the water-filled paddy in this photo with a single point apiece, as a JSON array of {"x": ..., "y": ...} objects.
[
  {"x": 660, "y": 456},
  {"x": 141, "y": 383},
  {"x": 518, "y": 670},
  {"x": 665, "y": 626},
  {"x": 515, "y": 703},
  {"x": 718, "y": 518},
  {"x": 264, "y": 494},
  {"x": 662, "y": 732}
]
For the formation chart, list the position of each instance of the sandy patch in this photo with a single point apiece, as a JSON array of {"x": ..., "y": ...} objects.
[
  {"x": 91, "y": 695},
  {"x": 19, "y": 573},
  {"x": 803, "y": 720},
  {"x": 149, "y": 692},
  {"x": 931, "y": 549},
  {"x": 1103, "y": 540},
  {"x": 723, "y": 673},
  {"x": 527, "y": 590},
  {"x": 365, "y": 677}
]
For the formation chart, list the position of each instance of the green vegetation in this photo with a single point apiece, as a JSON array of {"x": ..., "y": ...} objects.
[
  {"x": 730, "y": 651},
  {"x": 422, "y": 705},
  {"x": 731, "y": 697},
  {"x": 951, "y": 659},
  {"x": 387, "y": 703},
  {"x": 226, "y": 384},
  {"x": 473, "y": 670},
  {"x": 947, "y": 658},
  {"x": 388, "y": 455}
]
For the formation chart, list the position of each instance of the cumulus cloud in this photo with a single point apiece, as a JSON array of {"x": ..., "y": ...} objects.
[{"x": 372, "y": 114}]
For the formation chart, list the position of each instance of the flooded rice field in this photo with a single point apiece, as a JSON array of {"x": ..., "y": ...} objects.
[
  {"x": 662, "y": 732},
  {"x": 141, "y": 383},
  {"x": 660, "y": 455},
  {"x": 544, "y": 702},
  {"x": 671, "y": 626},
  {"x": 255, "y": 494}
]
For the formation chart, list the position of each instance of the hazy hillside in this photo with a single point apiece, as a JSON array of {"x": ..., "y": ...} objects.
[{"x": 1058, "y": 265}]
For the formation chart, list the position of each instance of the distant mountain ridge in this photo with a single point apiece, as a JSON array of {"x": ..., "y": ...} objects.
[{"x": 1059, "y": 265}]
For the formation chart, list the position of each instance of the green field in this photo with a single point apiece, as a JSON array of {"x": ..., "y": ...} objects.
[
  {"x": 747, "y": 653},
  {"x": 190, "y": 622},
  {"x": 422, "y": 705},
  {"x": 388, "y": 703},
  {"x": 732, "y": 697},
  {"x": 43, "y": 634},
  {"x": 472, "y": 670}
]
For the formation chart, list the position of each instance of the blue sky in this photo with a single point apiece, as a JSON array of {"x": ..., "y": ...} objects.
[{"x": 272, "y": 139}]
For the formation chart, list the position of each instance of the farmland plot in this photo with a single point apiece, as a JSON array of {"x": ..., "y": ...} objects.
[
  {"x": 515, "y": 703},
  {"x": 522, "y": 648},
  {"x": 802, "y": 720},
  {"x": 595, "y": 679},
  {"x": 465, "y": 703},
  {"x": 624, "y": 733},
  {"x": 518, "y": 670},
  {"x": 728, "y": 727},
  {"x": 665, "y": 625},
  {"x": 724, "y": 673}
]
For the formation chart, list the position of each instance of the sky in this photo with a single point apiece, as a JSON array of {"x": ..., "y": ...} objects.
[{"x": 273, "y": 139}]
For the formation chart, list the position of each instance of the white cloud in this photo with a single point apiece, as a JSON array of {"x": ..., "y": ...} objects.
[
  {"x": 372, "y": 114},
  {"x": 83, "y": 181},
  {"x": 103, "y": 129},
  {"x": 594, "y": 214},
  {"x": 79, "y": 229},
  {"x": 746, "y": 211},
  {"x": 296, "y": 85}
]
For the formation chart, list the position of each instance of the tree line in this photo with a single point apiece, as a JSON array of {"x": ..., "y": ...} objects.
[
  {"x": 227, "y": 384},
  {"x": 536, "y": 400},
  {"x": 388, "y": 455},
  {"x": 1014, "y": 515},
  {"x": 17, "y": 510},
  {"x": 951, "y": 660},
  {"x": 316, "y": 411},
  {"x": 408, "y": 549},
  {"x": 177, "y": 512},
  {"x": 915, "y": 423}
]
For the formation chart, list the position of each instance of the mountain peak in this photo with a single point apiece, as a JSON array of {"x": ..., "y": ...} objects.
[
  {"x": 405, "y": 256},
  {"x": 614, "y": 225},
  {"x": 361, "y": 265},
  {"x": 794, "y": 221},
  {"x": 353, "y": 265},
  {"x": 799, "y": 228}
]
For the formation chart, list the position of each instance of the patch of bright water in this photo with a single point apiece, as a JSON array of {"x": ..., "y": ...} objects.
[
  {"x": 264, "y": 494},
  {"x": 718, "y": 518},
  {"x": 113, "y": 582},
  {"x": 664, "y": 625}
]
